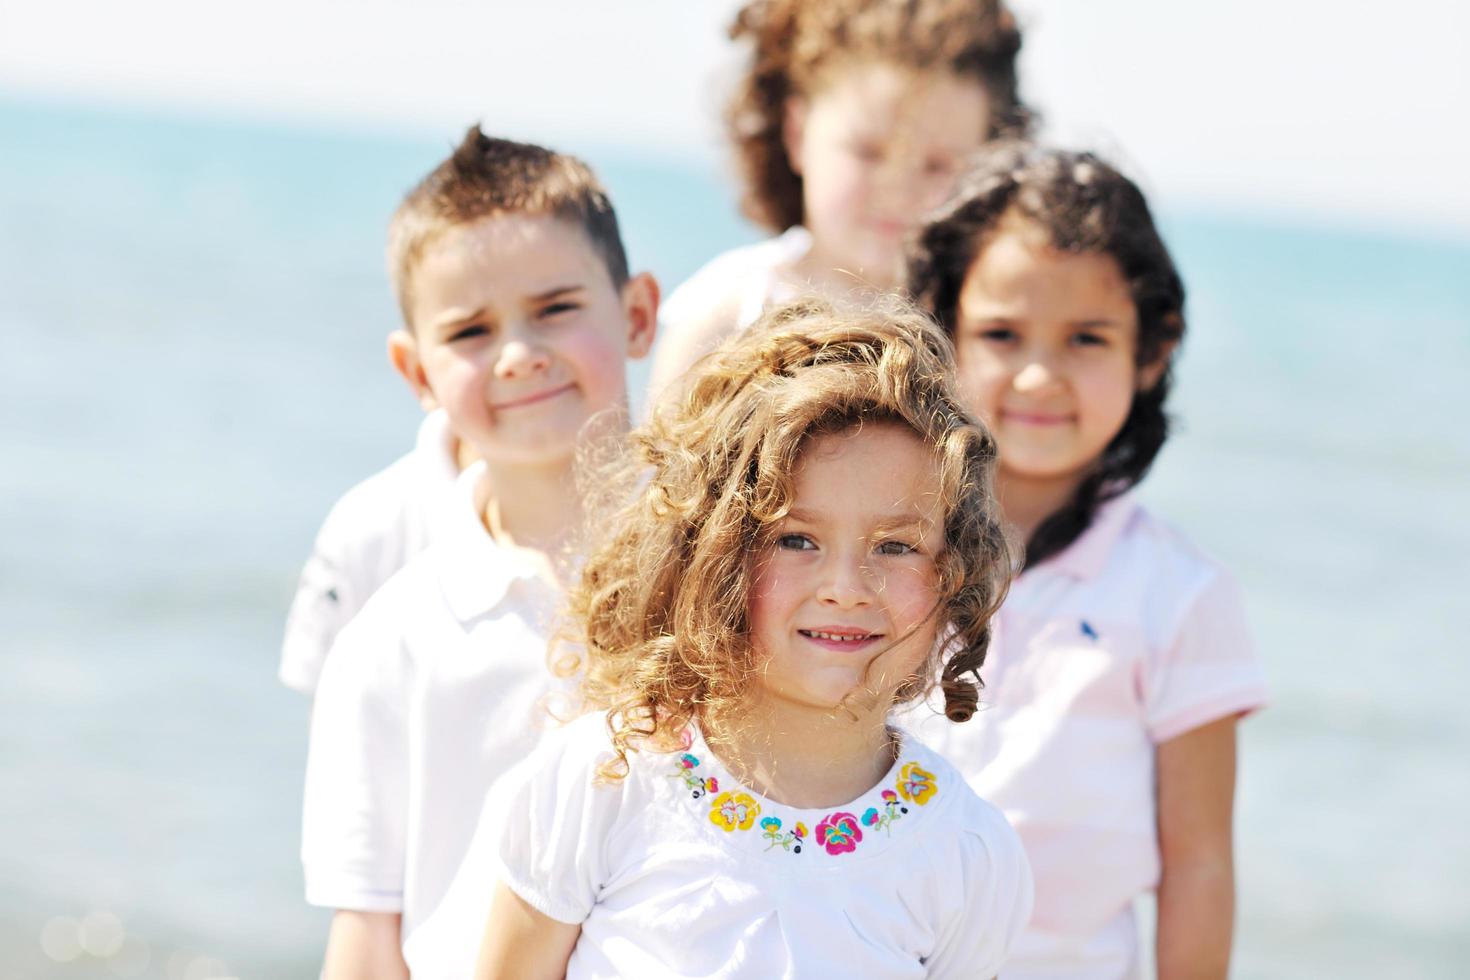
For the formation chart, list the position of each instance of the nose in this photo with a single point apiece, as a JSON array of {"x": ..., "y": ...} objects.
[
  {"x": 846, "y": 581},
  {"x": 1036, "y": 373},
  {"x": 520, "y": 356}
]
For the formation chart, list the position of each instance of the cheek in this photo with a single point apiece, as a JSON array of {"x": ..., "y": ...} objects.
[
  {"x": 982, "y": 378},
  {"x": 597, "y": 358},
  {"x": 1108, "y": 395},
  {"x": 763, "y": 605},
  {"x": 910, "y": 595},
  {"x": 833, "y": 186},
  {"x": 453, "y": 378}
]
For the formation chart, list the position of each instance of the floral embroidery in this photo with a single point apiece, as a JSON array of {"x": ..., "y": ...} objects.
[
  {"x": 839, "y": 833},
  {"x": 884, "y": 819},
  {"x": 789, "y": 840},
  {"x": 734, "y": 810},
  {"x": 697, "y": 786},
  {"x": 916, "y": 784}
]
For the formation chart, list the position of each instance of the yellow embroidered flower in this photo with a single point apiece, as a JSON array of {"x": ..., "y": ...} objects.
[
  {"x": 731, "y": 811},
  {"x": 914, "y": 783}
]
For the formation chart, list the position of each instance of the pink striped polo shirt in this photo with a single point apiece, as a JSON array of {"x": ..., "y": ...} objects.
[{"x": 1123, "y": 641}]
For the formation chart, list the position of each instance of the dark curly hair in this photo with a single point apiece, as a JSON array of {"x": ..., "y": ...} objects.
[
  {"x": 1084, "y": 205},
  {"x": 792, "y": 40}
]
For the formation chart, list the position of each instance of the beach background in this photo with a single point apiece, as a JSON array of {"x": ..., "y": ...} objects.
[{"x": 193, "y": 306}]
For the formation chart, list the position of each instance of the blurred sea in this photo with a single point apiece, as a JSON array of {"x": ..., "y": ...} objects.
[{"x": 192, "y": 314}]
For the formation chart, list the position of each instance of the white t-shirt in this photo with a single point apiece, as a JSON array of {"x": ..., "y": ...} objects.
[
  {"x": 1123, "y": 641},
  {"x": 368, "y": 535},
  {"x": 676, "y": 870},
  {"x": 432, "y": 692},
  {"x": 737, "y": 284}
]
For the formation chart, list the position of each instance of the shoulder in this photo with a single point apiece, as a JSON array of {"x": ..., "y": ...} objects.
[
  {"x": 405, "y": 595},
  {"x": 972, "y": 850},
  {"x": 723, "y": 277},
  {"x": 562, "y": 780},
  {"x": 712, "y": 304},
  {"x": 1177, "y": 577},
  {"x": 972, "y": 820},
  {"x": 376, "y": 643},
  {"x": 372, "y": 511}
]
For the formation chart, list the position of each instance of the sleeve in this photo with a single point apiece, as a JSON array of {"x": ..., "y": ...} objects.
[
  {"x": 1207, "y": 669},
  {"x": 558, "y": 817},
  {"x": 994, "y": 878},
  {"x": 354, "y": 816},
  {"x": 325, "y": 602}
]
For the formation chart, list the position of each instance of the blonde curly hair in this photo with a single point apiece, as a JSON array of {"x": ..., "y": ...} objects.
[
  {"x": 660, "y": 611},
  {"x": 792, "y": 41}
]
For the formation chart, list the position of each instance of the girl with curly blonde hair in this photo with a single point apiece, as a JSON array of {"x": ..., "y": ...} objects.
[
  {"x": 810, "y": 539},
  {"x": 850, "y": 120}
]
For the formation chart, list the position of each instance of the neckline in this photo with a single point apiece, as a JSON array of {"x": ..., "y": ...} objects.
[{"x": 736, "y": 815}]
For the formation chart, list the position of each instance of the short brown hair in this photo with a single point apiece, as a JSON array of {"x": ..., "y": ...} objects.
[
  {"x": 660, "y": 610},
  {"x": 486, "y": 176},
  {"x": 792, "y": 41}
]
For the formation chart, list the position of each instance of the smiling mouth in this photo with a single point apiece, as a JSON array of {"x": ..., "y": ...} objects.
[
  {"x": 840, "y": 639},
  {"x": 539, "y": 396},
  {"x": 1035, "y": 418}
]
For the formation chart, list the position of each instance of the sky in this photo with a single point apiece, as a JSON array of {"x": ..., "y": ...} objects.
[{"x": 1347, "y": 113}]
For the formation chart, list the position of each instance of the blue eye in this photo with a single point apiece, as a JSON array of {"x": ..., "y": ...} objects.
[
  {"x": 896, "y": 548},
  {"x": 795, "y": 542}
]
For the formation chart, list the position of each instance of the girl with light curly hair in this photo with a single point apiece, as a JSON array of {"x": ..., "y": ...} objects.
[{"x": 804, "y": 540}]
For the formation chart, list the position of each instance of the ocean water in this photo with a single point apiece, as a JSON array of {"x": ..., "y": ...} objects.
[{"x": 193, "y": 313}]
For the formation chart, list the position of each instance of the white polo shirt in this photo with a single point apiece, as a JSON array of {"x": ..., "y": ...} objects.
[
  {"x": 368, "y": 535},
  {"x": 1128, "y": 638},
  {"x": 679, "y": 871},
  {"x": 433, "y": 691}
]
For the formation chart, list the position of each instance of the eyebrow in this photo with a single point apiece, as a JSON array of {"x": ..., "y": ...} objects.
[
  {"x": 456, "y": 317},
  {"x": 1096, "y": 324},
  {"x": 892, "y": 519},
  {"x": 556, "y": 291}
]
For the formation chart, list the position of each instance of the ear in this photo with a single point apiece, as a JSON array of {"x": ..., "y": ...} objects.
[
  {"x": 1150, "y": 373},
  {"x": 793, "y": 125},
  {"x": 640, "y": 309},
  {"x": 403, "y": 354}
]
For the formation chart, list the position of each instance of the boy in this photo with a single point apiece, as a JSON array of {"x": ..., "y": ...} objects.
[{"x": 510, "y": 271}]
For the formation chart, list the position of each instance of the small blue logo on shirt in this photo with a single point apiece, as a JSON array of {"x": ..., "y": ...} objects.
[{"x": 1088, "y": 631}]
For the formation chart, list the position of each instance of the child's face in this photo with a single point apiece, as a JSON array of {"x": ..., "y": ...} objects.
[
  {"x": 850, "y": 575},
  {"x": 519, "y": 334},
  {"x": 1046, "y": 342},
  {"x": 877, "y": 146}
]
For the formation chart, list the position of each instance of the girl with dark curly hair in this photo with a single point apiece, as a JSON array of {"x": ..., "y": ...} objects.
[
  {"x": 850, "y": 121},
  {"x": 1122, "y": 661},
  {"x": 807, "y": 538}
]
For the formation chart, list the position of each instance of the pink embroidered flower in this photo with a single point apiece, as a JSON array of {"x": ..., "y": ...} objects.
[
  {"x": 915, "y": 783},
  {"x": 799, "y": 830},
  {"x": 889, "y": 796},
  {"x": 870, "y": 817},
  {"x": 731, "y": 811},
  {"x": 712, "y": 785},
  {"x": 839, "y": 833},
  {"x": 688, "y": 761}
]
